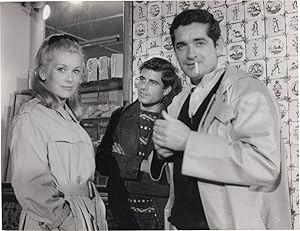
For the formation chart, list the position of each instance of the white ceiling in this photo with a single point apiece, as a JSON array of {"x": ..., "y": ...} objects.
[{"x": 87, "y": 21}]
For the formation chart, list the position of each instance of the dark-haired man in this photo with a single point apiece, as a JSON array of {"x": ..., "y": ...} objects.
[
  {"x": 137, "y": 202},
  {"x": 222, "y": 138}
]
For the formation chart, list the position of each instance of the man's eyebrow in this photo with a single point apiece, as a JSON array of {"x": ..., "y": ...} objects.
[
  {"x": 180, "y": 43},
  {"x": 199, "y": 39},
  {"x": 155, "y": 81}
]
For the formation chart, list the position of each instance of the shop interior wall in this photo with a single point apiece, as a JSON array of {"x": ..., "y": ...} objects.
[
  {"x": 261, "y": 37},
  {"x": 15, "y": 42}
]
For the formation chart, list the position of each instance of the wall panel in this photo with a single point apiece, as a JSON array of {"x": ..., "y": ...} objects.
[{"x": 261, "y": 37}]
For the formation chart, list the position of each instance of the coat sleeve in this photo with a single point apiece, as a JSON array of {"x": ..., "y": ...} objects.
[
  {"x": 31, "y": 178},
  {"x": 113, "y": 164},
  {"x": 106, "y": 163},
  {"x": 249, "y": 151}
]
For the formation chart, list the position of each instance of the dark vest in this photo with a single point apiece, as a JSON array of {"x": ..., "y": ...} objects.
[{"x": 187, "y": 211}]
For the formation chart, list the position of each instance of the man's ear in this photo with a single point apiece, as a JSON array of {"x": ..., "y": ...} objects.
[
  {"x": 167, "y": 90},
  {"x": 42, "y": 74},
  {"x": 220, "y": 45}
]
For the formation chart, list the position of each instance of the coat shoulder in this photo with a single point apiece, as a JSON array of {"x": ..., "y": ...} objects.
[
  {"x": 30, "y": 106},
  {"x": 131, "y": 109},
  {"x": 241, "y": 79}
]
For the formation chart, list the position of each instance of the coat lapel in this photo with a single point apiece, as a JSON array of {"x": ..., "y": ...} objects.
[
  {"x": 212, "y": 108},
  {"x": 218, "y": 108},
  {"x": 130, "y": 114}
]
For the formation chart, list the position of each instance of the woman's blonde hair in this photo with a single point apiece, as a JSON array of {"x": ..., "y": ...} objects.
[{"x": 53, "y": 43}]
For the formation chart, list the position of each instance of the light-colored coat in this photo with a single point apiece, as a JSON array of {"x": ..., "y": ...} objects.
[
  {"x": 238, "y": 157},
  {"x": 51, "y": 153}
]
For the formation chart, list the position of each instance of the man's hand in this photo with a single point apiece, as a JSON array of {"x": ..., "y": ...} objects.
[
  {"x": 162, "y": 153},
  {"x": 170, "y": 133},
  {"x": 118, "y": 149}
]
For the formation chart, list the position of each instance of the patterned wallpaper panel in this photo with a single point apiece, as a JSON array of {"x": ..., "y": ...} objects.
[{"x": 261, "y": 37}]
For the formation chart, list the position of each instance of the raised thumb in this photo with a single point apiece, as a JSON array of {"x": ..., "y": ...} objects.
[{"x": 166, "y": 116}]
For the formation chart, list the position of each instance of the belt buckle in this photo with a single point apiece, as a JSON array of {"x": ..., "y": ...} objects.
[{"x": 91, "y": 189}]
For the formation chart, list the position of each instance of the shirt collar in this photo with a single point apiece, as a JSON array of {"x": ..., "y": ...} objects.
[{"x": 210, "y": 77}]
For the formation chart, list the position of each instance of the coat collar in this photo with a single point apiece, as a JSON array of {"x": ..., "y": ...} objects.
[
  {"x": 231, "y": 76},
  {"x": 220, "y": 101},
  {"x": 132, "y": 109},
  {"x": 66, "y": 113}
]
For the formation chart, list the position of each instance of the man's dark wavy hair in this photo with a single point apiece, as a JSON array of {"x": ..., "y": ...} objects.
[
  {"x": 169, "y": 76},
  {"x": 196, "y": 15}
]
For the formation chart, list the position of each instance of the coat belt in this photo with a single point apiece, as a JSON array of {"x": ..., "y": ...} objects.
[{"x": 85, "y": 189}]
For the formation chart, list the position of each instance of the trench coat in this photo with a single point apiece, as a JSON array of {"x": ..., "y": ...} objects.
[
  {"x": 238, "y": 156},
  {"x": 53, "y": 166}
]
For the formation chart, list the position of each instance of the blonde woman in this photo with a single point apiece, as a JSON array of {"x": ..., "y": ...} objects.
[{"x": 52, "y": 156}]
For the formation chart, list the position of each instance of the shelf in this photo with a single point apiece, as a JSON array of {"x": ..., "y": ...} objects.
[
  {"x": 25, "y": 92},
  {"x": 112, "y": 84},
  {"x": 96, "y": 118},
  {"x": 99, "y": 98}
]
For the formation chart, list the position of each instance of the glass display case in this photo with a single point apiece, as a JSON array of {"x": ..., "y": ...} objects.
[{"x": 98, "y": 100}]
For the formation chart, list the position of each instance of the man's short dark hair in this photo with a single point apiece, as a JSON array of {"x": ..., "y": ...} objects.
[
  {"x": 196, "y": 15},
  {"x": 169, "y": 76}
]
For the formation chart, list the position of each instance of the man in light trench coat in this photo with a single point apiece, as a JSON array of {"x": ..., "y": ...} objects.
[{"x": 220, "y": 140}]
